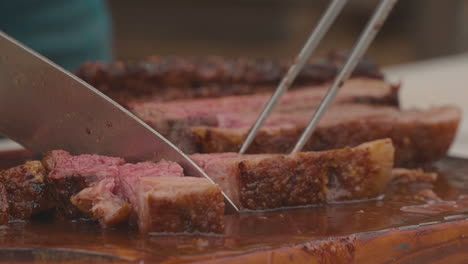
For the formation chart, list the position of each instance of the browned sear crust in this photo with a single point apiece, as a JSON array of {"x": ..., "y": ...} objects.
[
  {"x": 168, "y": 78},
  {"x": 25, "y": 191},
  {"x": 259, "y": 182}
]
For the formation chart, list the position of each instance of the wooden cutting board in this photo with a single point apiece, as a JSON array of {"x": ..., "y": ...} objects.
[{"x": 366, "y": 232}]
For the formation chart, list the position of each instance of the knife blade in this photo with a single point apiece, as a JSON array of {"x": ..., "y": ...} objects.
[{"x": 44, "y": 107}]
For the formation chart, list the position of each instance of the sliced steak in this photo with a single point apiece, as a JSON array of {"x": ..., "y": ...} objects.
[
  {"x": 419, "y": 136},
  {"x": 156, "y": 198},
  {"x": 111, "y": 200},
  {"x": 177, "y": 77},
  {"x": 179, "y": 204},
  {"x": 24, "y": 192},
  {"x": 100, "y": 202},
  {"x": 131, "y": 174},
  {"x": 172, "y": 118},
  {"x": 164, "y": 116},
  {"x": 268, "y": 181},
  {"x": 70, "y": 174}
]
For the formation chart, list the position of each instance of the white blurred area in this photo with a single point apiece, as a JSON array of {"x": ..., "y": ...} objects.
[{"x": 436, "y": 82}]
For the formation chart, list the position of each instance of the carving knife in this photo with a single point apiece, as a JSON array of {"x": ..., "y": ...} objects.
[{"x": 43, "y": 107}]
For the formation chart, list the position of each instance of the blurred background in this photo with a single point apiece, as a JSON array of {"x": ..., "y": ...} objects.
[
  {"x": 416, "y": 30},
  {"x": 423, "y": 44}
]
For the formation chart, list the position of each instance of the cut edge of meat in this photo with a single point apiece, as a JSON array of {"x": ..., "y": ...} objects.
[
  {"x": 101, "y": 203},
  {"x": 167, "y": 116},
  {"x": 131, "y": 174},
  {"x": 271, "y": 181},
  {"x": 113, "y": 200},
  {"x": 420, "y": 137},
  {"x": 68, "y": 175},
  {"x": 169, "y": 78},
  {"x": 180, "y": 204}
]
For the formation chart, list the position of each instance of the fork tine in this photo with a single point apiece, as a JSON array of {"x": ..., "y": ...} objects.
[
  {"x": 321, "y": 29},
  {"x": 366, "y": 38}
]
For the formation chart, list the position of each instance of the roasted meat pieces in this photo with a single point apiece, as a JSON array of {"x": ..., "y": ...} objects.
[
  {"x": 268, "y": 181},
  {"x": 166, "y": 78},
  {"x": 179, "y": 204},
  {"x": 100, "y": 201},
  {"x": 155, "y": 197},
  {"x": 420, "y": 136},
  {"x": 197, "y": 126},
  {"x": 69, "y": 174},
  {"x": 158, "y": 197},
  {"x": 206, "y": 107},
  {"x": 24, "y": 192}
]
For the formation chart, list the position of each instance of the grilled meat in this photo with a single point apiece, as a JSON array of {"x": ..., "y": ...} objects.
[
  {"x": 24, "y": 192},
  {"x": 69, "y": 174},
  {"x": 179, "y": 204},
  {"x": 167, "y": 78},
  {"x": 268, "y": 181}
]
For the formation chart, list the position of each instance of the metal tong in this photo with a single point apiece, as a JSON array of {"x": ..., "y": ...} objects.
[{"x": 372, "y": 28}]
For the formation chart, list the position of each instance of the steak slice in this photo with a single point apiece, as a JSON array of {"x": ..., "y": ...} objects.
[
  {"x": 172, "y": 118},
  {"x": 179, "y": 204},
  {"x": 178, "y": 77},
  {"x": 164, "y": 116},
  {"x": 100, "y": 202},
  {"x": 131, "y": 174},
  {"x": 268, "y": 181},
  {"x": 24, "y": 192},
  {"x": 419, "y": 136},
  {"x": 69, "y": 174},
  {"x": 155, "y": 197},
  {"x": 110, "y": 200}
]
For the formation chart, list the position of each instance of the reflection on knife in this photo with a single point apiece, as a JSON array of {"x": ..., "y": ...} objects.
[{"x": 44, "y": 107}]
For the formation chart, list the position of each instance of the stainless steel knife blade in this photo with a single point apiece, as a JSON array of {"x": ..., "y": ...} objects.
[{"x": 44, "y": 107}]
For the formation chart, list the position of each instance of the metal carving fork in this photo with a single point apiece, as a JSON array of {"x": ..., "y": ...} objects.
[{"x": 375, "y": 23}]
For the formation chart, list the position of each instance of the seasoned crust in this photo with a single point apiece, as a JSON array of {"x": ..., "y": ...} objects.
[
  {"x": 174, "y": 119},
  {"x": 67, "y": 175},
  {"x": 180, "y": 204},
  {"x": 268, "y": 181},
  {"x": 100, "y": 202},
  {"x": 419, "y": 136},
  {"x": 166, "y": 78},
  {"x": 26, "y": 190}
]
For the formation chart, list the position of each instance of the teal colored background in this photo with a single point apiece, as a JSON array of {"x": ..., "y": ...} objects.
[{"x": 68, "y": 32}]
